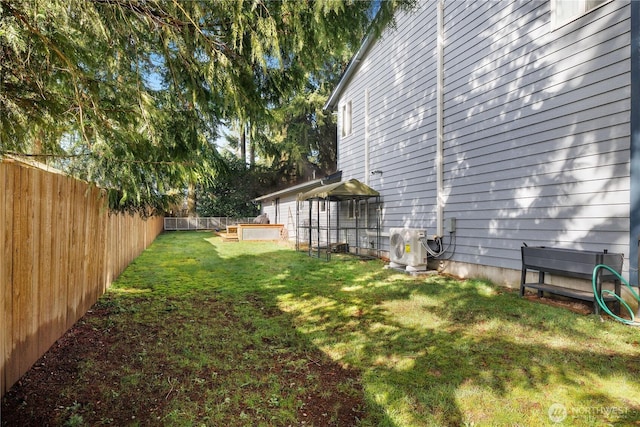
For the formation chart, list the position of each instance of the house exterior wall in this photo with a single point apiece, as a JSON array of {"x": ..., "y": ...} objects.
[
  {"x": 282, "y": 210},
  {"x": 282, "y": 206},
  {"x": 269, "y": 208},
  {"x": 399, "y": 76},
  {"x": 360, "y": 227},
  {"x": 536, "y": 128},
  {"x": 318, "y": 222}
]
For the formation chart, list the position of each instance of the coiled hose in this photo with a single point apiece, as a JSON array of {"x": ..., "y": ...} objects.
[{"x": 600, "y": 300}]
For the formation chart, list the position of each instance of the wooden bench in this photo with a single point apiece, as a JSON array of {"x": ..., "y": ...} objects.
[{"x": 571, "y": 263}]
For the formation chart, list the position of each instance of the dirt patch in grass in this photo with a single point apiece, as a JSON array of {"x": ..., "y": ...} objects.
[
  {"x": 99, "y": 373},
  {"x": 580, "y": 307}
]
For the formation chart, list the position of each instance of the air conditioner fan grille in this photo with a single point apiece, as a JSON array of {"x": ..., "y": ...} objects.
[{"x": 398, "y": 245}]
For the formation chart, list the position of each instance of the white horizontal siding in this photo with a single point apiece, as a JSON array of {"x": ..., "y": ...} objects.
[{"x": 282, "y": 212}]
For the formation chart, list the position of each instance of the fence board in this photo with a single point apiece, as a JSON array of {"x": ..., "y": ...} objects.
[
  {"x": 72, "y": 263},
  {"x": 10, "y": 369},
  {"x": 61, "y": 249},
  {"x": 34, "y": 223},
  {"x": 22, "y": 312},
  {"x": 58, "y": 302},
  {"x": 44, "y": 277},
  {"x": 5, "y": 269},
  {"x": 63, "y": 234}
]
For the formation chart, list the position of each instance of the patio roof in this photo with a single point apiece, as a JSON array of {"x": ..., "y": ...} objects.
[
  {"x": 300, "y": 188},
  {"x": 344, "y": 190}
]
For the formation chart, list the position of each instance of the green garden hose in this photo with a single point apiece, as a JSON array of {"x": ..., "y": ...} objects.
[{"x": 600, "y": 301}]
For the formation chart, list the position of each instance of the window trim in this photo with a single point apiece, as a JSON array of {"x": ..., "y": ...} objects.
[
  {"x": 352, "y": 209},
  {"x": 555, "y": 24},
  {"x": 347, "y": 119},
  {"x": 363, "y": 208}
]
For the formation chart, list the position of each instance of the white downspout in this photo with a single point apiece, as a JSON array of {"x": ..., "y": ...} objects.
[
  {"x": 367, "y": 167},
  {"x": 440, "y": 122}
]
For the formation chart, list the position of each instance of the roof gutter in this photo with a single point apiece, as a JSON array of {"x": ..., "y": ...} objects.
[{"x": 332, "y": 101}]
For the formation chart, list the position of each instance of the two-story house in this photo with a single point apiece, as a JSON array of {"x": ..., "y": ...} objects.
[{"x": 493, "y": 123}]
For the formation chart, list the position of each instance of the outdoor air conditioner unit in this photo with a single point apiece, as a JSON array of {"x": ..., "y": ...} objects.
[{"x": 406, "y": 248}]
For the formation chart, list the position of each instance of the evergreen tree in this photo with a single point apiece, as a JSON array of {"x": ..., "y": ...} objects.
[
  {"x": 130, "y": 93},
  {"x": 232, "y": 193}
]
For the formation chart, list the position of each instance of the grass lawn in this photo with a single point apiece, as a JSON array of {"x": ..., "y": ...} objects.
[{"x": 201, "y": 332}]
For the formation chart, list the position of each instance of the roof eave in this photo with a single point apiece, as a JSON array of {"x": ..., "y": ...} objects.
[
  {"x": 290, "y": 190},
  {"x": 332, "y": 101},
  {"x": 301, "y": 188}
]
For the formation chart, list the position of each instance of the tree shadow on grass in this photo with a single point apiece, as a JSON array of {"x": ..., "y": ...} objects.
[
  {"x": 447, "y": 352},
  {"x": 432, "y": 350},
  {"x": 185, "y": 337},
  {"x": 199, "y": 331}
]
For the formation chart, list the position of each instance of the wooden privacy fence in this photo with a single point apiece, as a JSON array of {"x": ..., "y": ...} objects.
[{"x": 60, "y": 249}]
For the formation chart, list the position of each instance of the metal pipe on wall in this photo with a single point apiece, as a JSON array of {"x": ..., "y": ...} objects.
[{"x": 440, "y": 122}]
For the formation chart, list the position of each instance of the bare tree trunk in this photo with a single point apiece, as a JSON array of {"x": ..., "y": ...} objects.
[
  {"x": 243, "y": 143},
  {"x": 252, "y": 154},
  {"x": 191, "y": 200}
]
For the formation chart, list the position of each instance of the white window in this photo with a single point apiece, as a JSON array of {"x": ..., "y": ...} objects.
[
  {"x": 363, "y": 209},
  {"x": 346, "y": 119},
  {"x": 323, "y": 206},
  {"x": 352, "y": 209},
  {"x": 357, "y": 208},
  {"x": 563, "y": 11}
]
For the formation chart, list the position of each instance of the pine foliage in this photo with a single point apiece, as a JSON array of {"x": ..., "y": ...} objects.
[{"x": 129, "y": 93}]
